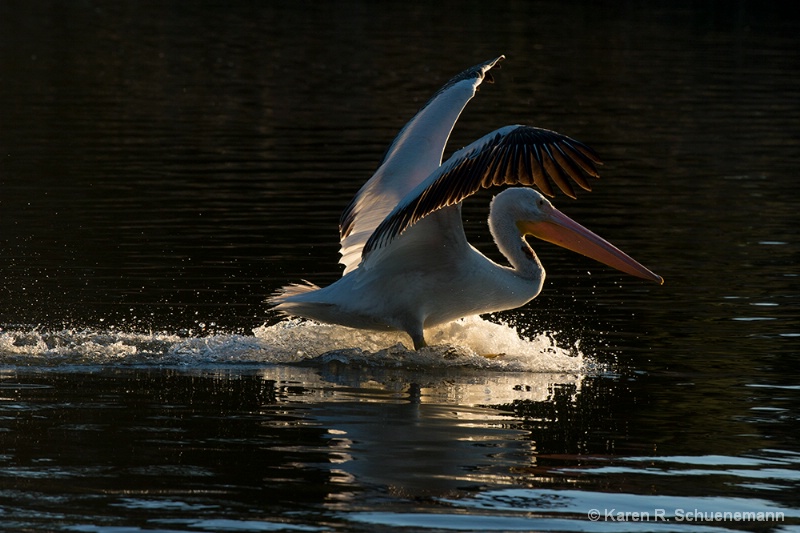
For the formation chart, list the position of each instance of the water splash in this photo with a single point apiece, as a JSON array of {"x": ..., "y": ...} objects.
[{"x": 471, "y": 343}]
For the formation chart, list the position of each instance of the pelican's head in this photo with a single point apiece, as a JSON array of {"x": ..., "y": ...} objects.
[{"x": 535, "y": 215}]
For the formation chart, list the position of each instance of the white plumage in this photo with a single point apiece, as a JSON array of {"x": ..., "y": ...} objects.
[{"x": 408, "y": 265}]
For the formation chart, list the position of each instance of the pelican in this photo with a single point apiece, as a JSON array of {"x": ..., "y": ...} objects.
[{"x": 407, "y": 263}]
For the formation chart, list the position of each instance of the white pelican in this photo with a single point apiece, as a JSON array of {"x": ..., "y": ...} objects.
[{"x": 408, "y": 265}]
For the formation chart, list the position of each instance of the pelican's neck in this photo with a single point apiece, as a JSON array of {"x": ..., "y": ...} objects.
[{"x": 511, "y": 243}]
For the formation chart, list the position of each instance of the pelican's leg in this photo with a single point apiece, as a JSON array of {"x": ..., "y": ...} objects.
[{"x": 418, "y": 337}]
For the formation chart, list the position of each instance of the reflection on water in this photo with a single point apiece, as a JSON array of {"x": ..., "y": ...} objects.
[
  {"x": 163, "y": 169},
  {"x": 178, "y": 444},
  {"x": 351, "y": 447}
]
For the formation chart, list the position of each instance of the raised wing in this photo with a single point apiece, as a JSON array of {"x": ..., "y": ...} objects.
[
  {"x": 414, "y": 154},
  {"x": 513, "y": 155}
]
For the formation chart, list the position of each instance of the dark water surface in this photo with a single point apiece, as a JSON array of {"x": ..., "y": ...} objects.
[{"x": 165, "y": 166}]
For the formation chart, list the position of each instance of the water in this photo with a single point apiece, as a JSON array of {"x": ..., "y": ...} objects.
[{"x": 165, "y": 167}]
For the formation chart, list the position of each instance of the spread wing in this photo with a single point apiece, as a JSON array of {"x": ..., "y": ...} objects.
[
  {"x": 415, "y": 153},
  {"x": 513, "y": 155}
]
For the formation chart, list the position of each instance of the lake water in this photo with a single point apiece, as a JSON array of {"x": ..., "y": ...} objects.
[{"x": 165, "y": 166}]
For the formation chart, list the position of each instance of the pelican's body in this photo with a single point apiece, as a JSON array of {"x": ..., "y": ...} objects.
[
  {"x": 408, "y": 265},
  {"x": 439, "y": 279}
]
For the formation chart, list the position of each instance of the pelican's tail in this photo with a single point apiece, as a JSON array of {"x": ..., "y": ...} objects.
[
  {"x": 280, "y": 300},
  {"x": 291, "y": 300}
]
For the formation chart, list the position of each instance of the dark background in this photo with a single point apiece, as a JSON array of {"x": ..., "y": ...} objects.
[{"x": 164, "y": 166}]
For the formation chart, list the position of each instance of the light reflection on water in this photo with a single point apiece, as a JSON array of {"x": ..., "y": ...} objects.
[
  {"x": 163, "y": 170},
  {"x": 351, "y": 447}
]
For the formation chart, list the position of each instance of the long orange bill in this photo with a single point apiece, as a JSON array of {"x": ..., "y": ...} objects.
[{"x": 561, "y": 230}]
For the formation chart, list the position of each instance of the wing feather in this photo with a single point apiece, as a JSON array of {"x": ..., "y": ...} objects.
[
  {"x": 553, "y": 171},
  {"x": 539, "y": 177},
  {"x": 569, "y": 167},
  {"x": 526, "y": 174},
  {"x": 586, "y": 162},
  {"x": 513, "y": 155}
]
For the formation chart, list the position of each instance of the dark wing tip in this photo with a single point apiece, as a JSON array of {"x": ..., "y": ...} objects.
[
  {"x": 554, "y": 158},
  {"x": 487, "y": 67},
  {"x": 481, "y": 71}
]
